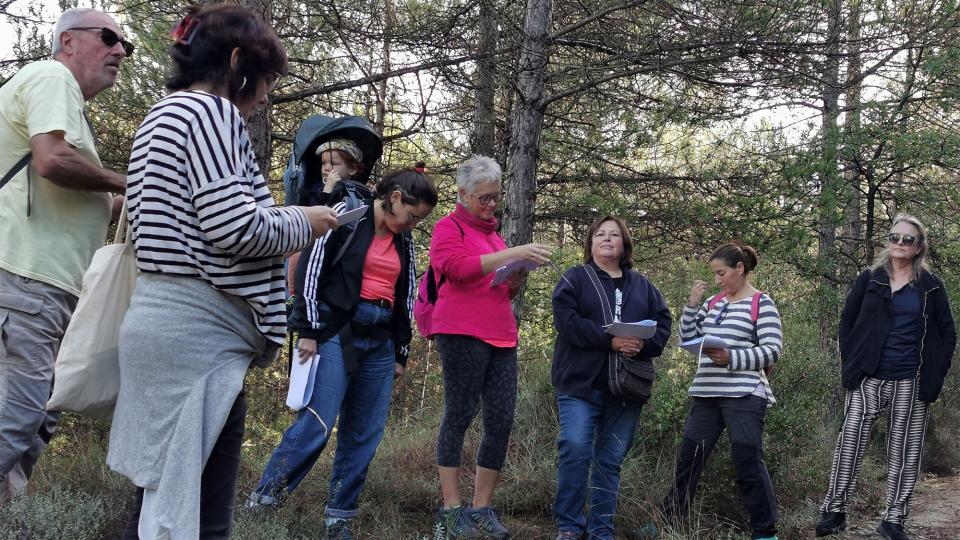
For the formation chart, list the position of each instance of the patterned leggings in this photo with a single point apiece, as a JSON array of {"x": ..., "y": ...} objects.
[
  {"x": 907, "y": 425},
  {"x": 476, "y": 376}
]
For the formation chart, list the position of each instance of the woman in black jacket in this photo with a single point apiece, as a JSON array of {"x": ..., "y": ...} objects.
[
  {"x": 897, "y": 338},
  {"x": 352, "y": 312},
  {"x": 597, "y": 428}
]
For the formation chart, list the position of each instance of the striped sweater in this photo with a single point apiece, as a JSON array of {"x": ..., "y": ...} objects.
[
  {"x": 732, "y": 322},
  {"x": 198, "y": 205}
]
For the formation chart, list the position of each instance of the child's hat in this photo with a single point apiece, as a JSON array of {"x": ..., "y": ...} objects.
[{"x": 344, "y": 145}]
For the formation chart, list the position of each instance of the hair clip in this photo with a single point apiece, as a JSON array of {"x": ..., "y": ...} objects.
[{"x": 183, "y": 32}]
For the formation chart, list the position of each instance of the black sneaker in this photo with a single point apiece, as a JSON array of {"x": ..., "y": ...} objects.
[
  {"x": 487, "y": 522},
  {"x": 892, "y": 531},
  {"x": 831, "y": 523}
]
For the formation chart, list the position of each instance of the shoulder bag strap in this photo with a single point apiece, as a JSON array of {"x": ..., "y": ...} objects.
[
  {"x": 604, "y": 301},
  {"x": 17, "y": 167},
  {"x": 607, "y": 319}
]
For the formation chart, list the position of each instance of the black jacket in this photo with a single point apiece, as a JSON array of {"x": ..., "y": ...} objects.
[
  {"x": 866, "y": 320},
  {"x": 327, "y": 296},
  {"x": 582, "y": 347}
]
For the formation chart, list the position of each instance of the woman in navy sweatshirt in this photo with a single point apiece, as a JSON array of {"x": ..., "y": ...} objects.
[{"x": 597, "y": 428}]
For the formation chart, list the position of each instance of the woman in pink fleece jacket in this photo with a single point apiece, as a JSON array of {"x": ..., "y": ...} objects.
[{"x": 476, "y": 335}]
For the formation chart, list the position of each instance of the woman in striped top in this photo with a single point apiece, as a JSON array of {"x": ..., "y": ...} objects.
[
  {"x": 730, "y": 389},
  {"x": 209, "y": 301}
]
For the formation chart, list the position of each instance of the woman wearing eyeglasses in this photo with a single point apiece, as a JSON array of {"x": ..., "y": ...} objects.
[
  {"x": 897, "y": 338},
  {"x": 476, "y": 335}
]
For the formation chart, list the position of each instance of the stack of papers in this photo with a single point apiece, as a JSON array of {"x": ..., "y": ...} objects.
[
  {"x": 696, "y": 345},
  {"x": 640, "y": 329},
  {"x": 301, "y": 381},
  {"x": 511, "y": 268}
]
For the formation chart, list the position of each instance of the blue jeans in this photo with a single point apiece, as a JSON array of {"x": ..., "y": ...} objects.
[
  {"x": 595, "y": 435},
  {"x": 361, "y": 400}
]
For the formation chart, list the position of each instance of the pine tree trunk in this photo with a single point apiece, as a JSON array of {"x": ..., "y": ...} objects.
[
  {"x": 482, "y": 140},
  {"x": 525, "y": 135},
  {"x": 830, "y": 182},
  {"x": 258, "y": 124}
]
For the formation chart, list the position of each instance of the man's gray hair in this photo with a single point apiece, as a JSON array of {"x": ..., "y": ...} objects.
[
  {"x": 477, "y": 170},
  {"x": 70, "y": 19}
]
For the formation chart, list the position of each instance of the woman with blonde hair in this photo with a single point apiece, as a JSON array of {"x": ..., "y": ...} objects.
[{"x": 897, "y": 338}]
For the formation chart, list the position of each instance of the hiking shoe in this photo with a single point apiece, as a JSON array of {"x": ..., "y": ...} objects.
[
  {"x": 892, "y": 531},
  {"x": 647, "y": 531},
  {"x": 568, "y": 535},
  {"x": 488, "y": 523},
  {"x": 453, "y": 524},
  {"x": 257, "y": 501},
  {"x": 339, "y": 530},
  {"x": 831, "y": 523}
]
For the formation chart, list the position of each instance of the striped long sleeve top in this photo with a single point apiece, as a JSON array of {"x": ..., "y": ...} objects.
[
  {"x": 732, "y": 322},
  {"x": 198, "y": 205}
]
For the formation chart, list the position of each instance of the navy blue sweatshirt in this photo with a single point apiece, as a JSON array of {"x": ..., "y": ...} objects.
[{"x": 582, "y": 346}]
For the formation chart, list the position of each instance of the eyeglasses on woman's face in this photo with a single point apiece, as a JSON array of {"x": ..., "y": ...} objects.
[
  {"x": 490, "y": 197},
  {"x": 905, "y": 239},
  {"x": 108, "y": 37}
]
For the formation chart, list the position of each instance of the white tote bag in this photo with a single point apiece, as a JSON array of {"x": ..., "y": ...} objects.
[{"x": 87, "y": 372}]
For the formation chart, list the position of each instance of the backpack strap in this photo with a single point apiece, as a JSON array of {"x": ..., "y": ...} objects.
[
  {"x": 755, "y": 308},
  {"x": 715, "y": 299},
  {"x": 433, "y": 287}
]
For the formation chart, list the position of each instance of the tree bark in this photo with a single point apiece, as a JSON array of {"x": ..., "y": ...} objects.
[
  {"x": 258, "y": 124},
  {"x": 854, "y": 173},
  {"x": 525, "y": 133},
  {"x": 482, "y": 139},
  {"x": 830, "y": 181}
]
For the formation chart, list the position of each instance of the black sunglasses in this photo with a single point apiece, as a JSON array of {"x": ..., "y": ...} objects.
[
  {"x": 895, "y": 238},
  {"x": 109, "y": 38}
]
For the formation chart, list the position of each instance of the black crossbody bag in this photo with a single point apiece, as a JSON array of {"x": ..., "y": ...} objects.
[{"x": 630, "y": 379}]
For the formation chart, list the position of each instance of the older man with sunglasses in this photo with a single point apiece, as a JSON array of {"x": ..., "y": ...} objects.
[{"x": 55, "y": 203}]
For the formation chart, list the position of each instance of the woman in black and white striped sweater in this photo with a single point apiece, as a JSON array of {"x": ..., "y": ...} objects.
[
  {"x": 730, "y": 389},
  {"x": 209, "y": 300}
]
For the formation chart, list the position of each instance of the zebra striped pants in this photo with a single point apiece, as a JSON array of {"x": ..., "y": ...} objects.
[{"x": 905, "y": 433}]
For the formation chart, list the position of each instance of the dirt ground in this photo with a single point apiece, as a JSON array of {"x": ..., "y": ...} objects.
[{"x": 934, "y": 514}]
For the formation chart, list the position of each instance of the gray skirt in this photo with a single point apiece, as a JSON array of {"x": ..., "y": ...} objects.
[{"x": 184, "y": 350}]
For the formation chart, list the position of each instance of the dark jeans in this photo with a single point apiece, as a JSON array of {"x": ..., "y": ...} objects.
[
  {"x": 743, "y": 418},
  {"x": 218, "y": 484}
]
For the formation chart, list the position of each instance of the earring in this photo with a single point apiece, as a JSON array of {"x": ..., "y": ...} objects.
[{"x": 243, "y": 83}]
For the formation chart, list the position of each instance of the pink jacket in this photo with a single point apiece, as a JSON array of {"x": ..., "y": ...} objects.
[{"x": 466, "y": 304}]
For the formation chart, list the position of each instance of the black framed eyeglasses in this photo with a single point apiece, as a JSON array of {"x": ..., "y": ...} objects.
[
  {"x": 109, "y": 38},
  {"x": 896, "y": 238},
  {"x": 491, "y": 197}
]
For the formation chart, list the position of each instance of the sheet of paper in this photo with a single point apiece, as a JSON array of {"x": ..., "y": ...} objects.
[
  {"x": 511, "y": 268},
  {"x": 352, "y": 215},
  {"x": 640, "y": 329},
  {"x": 696, "y": 345},
  {"x": 301, "y": 381}
]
